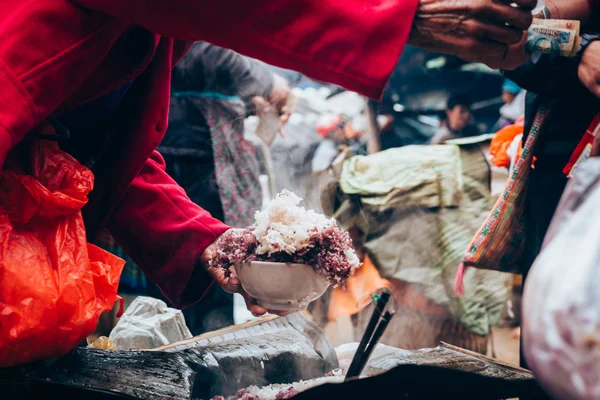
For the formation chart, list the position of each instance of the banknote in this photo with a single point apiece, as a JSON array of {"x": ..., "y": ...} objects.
[{"x": 553, "y": 36}]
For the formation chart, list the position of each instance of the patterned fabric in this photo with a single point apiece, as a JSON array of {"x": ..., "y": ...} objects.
[
  {"x": 236, "y": 166},
  {"x": 500, "y": 243}
]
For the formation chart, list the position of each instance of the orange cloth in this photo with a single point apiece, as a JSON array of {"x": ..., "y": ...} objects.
[
  {"x": 360, "y": 285},
  {"x": 501, "y": 142}
]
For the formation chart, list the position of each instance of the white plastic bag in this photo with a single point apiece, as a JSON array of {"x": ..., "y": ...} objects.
[
  {"x": 561, "y": 301},
  {"x": 148, "y": 323}
]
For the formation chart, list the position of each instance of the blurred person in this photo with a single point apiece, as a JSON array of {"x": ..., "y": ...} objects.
[
  {"x": 105, "y": 78},
  {"x": 331, "y": 128},
  {"x": 355, "y": 134},
  {"x": 514, "y": 104},
  {"x": 338, "y": 134},
  {"x": 574, "y": 83},
  {"x": 206, "y": 153},
  {"x": 458, "y": 122},
  {"x": 510, "y": 90}
]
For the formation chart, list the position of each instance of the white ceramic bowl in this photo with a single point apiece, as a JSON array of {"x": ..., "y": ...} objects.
[{"x": 281, "y": 286}]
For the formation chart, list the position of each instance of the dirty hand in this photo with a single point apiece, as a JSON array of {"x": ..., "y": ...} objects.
[
  {"x": 228, "y": 280},
  {"x": 471, "y": 29}
]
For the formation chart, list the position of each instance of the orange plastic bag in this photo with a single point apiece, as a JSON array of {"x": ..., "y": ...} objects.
[
  {"x": 501, "y": 142},
  {"x": 53, "y": 284}
]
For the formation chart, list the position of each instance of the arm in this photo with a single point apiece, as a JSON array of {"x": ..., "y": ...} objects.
[
  {"x": 213, "y": 68},
  {"x": 175, "y": 232},
  {"x": 353, "y": 43},
  {"x": 582, "y": 10},
  {"x": 560, "y": 76},
  {"x": 247, "y": 77},
  {"x": 440, "y": 137}
]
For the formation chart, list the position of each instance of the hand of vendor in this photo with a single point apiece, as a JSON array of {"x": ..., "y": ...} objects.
[
  {"x": 514, "y": 56},
  {"x": 471, "y": 29},
  {"x": 228, "y": 280}
]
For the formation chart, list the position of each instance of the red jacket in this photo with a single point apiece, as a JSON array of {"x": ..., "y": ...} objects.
[{"x": 58, "y": 54}]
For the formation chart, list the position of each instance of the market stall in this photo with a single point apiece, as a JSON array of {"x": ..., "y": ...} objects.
[{"x": 272, "y": 357}]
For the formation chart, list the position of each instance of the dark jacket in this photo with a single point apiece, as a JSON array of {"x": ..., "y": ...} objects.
[
  {"x": 576, "y": 107},
  {"x": 557, "y": 77},
  {"x": 566, "y": 124}
]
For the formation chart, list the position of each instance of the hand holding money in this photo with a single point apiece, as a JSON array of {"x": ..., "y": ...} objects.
[
  {"x": 553, "y": 36},
  {"x": 589, "y": 75}
]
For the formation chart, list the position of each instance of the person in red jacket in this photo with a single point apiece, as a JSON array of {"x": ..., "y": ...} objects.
[{"x": 113, "y": 60}]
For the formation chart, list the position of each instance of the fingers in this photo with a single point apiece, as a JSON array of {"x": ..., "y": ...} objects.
[
  {"x": 259, "y": 101},
  {"x": 514, "y": 57},
  {"x": 589, "y": 68},
  {"x": 227, "y": 279},
  {"x": 501, "y": 13},
  {"x": 592, "y": 84},
  {"x": 231, "y": 284},
  {"x": 280, "y": 313},
  {"x": 488, "y": 32},
  {"x": 525, "y": 4},
  {"x": 469, "y": 47},
  {"x": 262, "y": 106},
  {"x": 252, "y": 305}
]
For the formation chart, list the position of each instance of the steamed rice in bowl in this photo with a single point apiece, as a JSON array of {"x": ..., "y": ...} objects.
[{"x": 287, "y": 233}]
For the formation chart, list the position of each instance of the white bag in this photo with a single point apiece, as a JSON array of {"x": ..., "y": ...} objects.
[
  {"x": 561, "y": 300},
  {"x": 148, "y": 323}
]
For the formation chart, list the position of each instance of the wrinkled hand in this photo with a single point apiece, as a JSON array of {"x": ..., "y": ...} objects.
[
  {"x": 512, "y": 58},
  {"x": 472, "y": 29},
  {"x": 228, "y": 280}
]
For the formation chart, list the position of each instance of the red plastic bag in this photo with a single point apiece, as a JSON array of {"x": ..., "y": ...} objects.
[{"x": 53, "y": 284}]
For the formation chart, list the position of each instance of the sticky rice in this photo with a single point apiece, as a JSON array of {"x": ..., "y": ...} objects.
[{"x": 286, "y": 232}]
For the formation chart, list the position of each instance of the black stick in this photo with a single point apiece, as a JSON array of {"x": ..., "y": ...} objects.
[
  {"x": 378, "y": 334},
  {"x": 373, "y": 343},
  {"x": 375, "y": 318}
]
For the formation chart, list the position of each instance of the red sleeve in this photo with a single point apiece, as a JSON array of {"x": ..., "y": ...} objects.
[
  {"x": 352, "y": 43},
  {"x": 165, "y": 233}
]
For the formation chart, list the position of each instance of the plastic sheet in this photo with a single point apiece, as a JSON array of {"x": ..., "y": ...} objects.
[{"x": 148, "y": 323}]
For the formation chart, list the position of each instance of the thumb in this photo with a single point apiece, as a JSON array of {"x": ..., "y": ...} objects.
[{"x": 226, "y": 278}]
